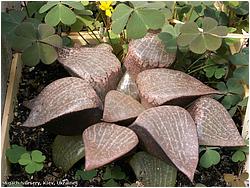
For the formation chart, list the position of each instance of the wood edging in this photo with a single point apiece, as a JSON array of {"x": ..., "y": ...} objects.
[{"x": 8, "y": 112}]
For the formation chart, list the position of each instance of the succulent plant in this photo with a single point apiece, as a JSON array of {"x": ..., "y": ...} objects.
[
  {"x": 147, "y": 53},
  {"x": 112, "y": 123}
]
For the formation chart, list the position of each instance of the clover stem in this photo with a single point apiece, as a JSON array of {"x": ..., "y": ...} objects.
[
  {"x": 26, "y": 8},
  {"x": 202, "y": 67},
  {"x": 94, "y": 34},
  {"x": 192, "y": 64}
]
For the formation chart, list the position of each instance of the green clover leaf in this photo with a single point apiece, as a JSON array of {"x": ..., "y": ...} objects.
[
  {"x": 33, "y": 161},
  {"x": 200, "y": 41},
  {"x": 238, "y": 156},
  {"x": 37, "y": 156},
  {"x": 37, "y": 44},
  {"x": 111, "y": 183},
  {"x": 14, "y": 153},
  {"x": 59, "y": 12},
  {"x": 139, "y": 19},
  {"x": 25, "y": 159},
  {"x": 85, "y": 175},
  {"x": 209, "y": 158}
]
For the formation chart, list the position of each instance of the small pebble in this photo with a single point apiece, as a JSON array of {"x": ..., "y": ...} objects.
[
  {"x": 31, "y": 69},
  {"x": 49, "y": 164},
  {"x": 18, "y": 123}
]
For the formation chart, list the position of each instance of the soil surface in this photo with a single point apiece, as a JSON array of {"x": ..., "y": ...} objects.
[{"x": 32, "y": 82}]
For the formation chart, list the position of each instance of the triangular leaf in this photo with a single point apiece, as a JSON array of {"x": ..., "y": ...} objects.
[
  {"x": 67, "y": 150},
  {"x": 98, "y": 65},
  {"x": 215, "y": 126},
  {"x": 169, "y": 132},
  {"x": 105, "y": 142},
  {"x": 160, "y": 86},
  {"x": 64, "y": 111},
  {"x": 153, "y": 172},
  {"x": 146, "y": 53},
  {"x": 120, "y": 107}
]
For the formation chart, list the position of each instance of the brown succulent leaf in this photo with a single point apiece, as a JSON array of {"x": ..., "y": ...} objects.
[
  {"x": 166, "y": 86},
  {"x": 120, "y": 107},
  {"x": 97, "y": 65},
  {"x": 128, "y": 86},
  {"x": 106, "y": 142},
  {"x": 147, "y": 53},
  {"x": 215, "y": 126},
  {"x": 169, "y": 133},
  {"x": 66, "y": 106}
]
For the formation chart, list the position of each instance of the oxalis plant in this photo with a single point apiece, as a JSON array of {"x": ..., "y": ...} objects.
[
  {"x": 32, "y": 161},
  {"x": 155, "y": 113}
]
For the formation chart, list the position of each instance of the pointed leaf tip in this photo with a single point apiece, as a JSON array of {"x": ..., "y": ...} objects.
[
  {"x": 63, "y": 105},
  {"x": 215, "y": 126},
  {"x": 120, "y": 107},
  {"x": 98, "y": 66},
  {"x": 105, "y": 142},
  {"x": 169, "y": 133},
  {"x": 166, "y": 86},
  {"x": 148, "y": 52}
]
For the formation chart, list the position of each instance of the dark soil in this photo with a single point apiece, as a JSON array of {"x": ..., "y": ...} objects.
[{"x": 32, "y": 82}]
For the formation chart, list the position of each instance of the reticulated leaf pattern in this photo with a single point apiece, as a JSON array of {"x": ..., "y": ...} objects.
[
  {"x": 105, "y": 142},
  {"x": 70, "y": 99},
  {"x": 119, "y": 106},
  {"x": 169, "y": 132},
  {"x": 98, "y": 65},
  {"x": 148, "y": 52},
  {"x": 153, "y": 172},
  {"x": 159, "y": 86},
  {"x": 215, "y": 126}
]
